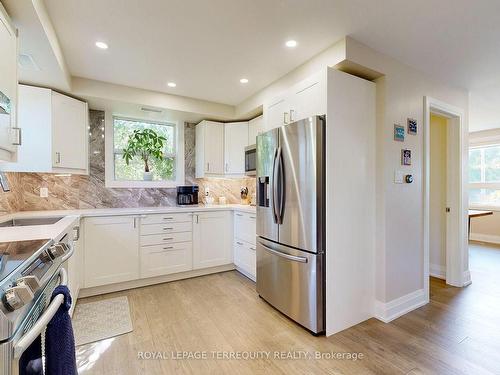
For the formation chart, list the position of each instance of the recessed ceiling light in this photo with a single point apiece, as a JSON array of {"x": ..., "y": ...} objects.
[
  {"x": 101, "y": 45},
  {"x": 291, "y": 43},
  {"x": 244, "y": 80},
  {"x": 171, "y": 84}
]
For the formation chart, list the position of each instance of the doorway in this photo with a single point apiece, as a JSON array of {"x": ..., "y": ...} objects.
[
  {"x": 438, "y": 185},
  {"x": 445, "y": 194}
]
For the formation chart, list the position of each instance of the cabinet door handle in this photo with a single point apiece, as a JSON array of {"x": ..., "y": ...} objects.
[
  {"x": 252, "y": 248},
  {"x": 252, "y": 217},
  {"x": 168, "y": 228},
  {"x": 168, "y": 248},
  {"x": 58, "y": 158},
  {"x": 208, "y": 167},
  {"x": 168, "y": 218},
  {"x": 135, "y": 223},
  {"x": 239, "y": 243},
  {"x": 168, "y": 238},
  {"x": 227, "y": 167},
  {"x": 291, "y": 115},
  {"x": 239, "y": 215},
  {"x": 285, "y": 118},
  {"x": 197, "y": 219},
  {"x": 18, "y": 141}
]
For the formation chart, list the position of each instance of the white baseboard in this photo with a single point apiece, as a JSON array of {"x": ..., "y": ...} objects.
[
  {"x": 391, "y": 310},
  {"x": 467, "y": 279},
  {"x": 485, "y": 238},
  {"x": 437, "y": 270},
  {"x": 93, "y": 291}
]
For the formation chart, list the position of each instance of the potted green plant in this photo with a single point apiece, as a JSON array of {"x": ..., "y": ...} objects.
[{"x": 147, "y": 145}]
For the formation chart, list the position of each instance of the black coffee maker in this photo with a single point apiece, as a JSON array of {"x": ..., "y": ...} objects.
[{"x": 187, "y": 195}]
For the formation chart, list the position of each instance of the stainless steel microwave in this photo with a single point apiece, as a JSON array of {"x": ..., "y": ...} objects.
[{"x": 250, "y": 160}]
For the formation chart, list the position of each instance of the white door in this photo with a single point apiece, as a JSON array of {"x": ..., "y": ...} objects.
[
  {"x": 308, "y": 98},
  {"x": 8, "y": 86},
  {"x": 111, "y": 250},
  {"x": 69, "y": 132},
  {"x": 214, "y": 147},
  {"x": 255, "y": 127},
  {"x": 276, "y": 113},
  {"x": 212, "y": 234},
  {"x": 35, "y": 120},
  {"x": 235, "y": 141}
]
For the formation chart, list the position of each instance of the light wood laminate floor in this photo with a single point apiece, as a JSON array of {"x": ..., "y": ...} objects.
[{"x": 458, "y": 332}]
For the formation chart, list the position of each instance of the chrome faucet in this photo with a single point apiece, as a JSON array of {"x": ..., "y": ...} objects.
[{"x": 4, "y": 182}]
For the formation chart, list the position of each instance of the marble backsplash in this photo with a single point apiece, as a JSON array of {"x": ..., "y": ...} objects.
[{"x": 79, "y": 192}]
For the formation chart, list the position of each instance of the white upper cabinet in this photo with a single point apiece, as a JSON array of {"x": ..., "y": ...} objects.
[
  {"x": 255, "y": 127},
  {"x": 235, "y": 141},
  {"x": 69, "y": 132},
  {"x": 209, "y": 149},
  {"x": 9, "y": 136},
  {"x": 220, "y": 148},
  {"x": 55, "y": 134},
  {"x": 305, "y": 99}
]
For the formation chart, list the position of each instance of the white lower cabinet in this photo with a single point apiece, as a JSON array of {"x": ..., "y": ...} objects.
[
  {"x": 158, "y": 260},
  {"x": 111, "y": 250},
  {"x": 245, "y": 258},
  {"x": 125, "y": 248},
  {"x": 212, "y": 239},
  {"x": 166, "y": 244}
]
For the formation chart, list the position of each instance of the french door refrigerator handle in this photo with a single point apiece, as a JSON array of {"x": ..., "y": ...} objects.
[
  {"x": 283, "y": 255},
  {"x": 273, "y": 187},
  {"x": 281, "y": 186}
]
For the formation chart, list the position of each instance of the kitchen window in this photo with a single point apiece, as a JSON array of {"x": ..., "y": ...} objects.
[
  {"x": 484, "y": 175},
  {"x": 166, "y": 172}
]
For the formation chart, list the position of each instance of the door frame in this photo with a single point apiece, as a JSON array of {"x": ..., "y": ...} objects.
[{"x": 457, "y": 261}]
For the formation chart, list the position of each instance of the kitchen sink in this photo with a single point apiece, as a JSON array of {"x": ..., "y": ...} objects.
[{"x": 22, "y": 222}]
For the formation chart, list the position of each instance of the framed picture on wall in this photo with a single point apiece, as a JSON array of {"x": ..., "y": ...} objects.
[
  {"x": 412, "y": 126},
  {"x": 405, "y": 157},
  {"x": 399, "y": 133}
]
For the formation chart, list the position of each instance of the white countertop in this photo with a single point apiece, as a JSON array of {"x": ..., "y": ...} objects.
[{"x": 71, "y": 216}]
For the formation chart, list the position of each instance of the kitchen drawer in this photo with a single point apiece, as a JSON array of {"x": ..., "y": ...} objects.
[
  {"x": 166, "y": 218},
  {"x": 244, "y": 227},
  {"x": 158, "y": 239},
  {"x": 158, "y": 260},
  {"x": 172, "y": 227},
  {"x": 245, "y": 258}
]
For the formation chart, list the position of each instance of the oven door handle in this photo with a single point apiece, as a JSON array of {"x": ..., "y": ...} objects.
[
  {"x": 24, "y": 342},
  {"x": 69, "y": 254}
]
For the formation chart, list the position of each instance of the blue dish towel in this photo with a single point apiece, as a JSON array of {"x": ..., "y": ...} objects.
[
  {"x": 60, "y": 358},
  {"x": 30, "y": 362}
]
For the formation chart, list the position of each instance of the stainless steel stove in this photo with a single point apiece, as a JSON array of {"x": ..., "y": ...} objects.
[{"x": 29, "y": 273}]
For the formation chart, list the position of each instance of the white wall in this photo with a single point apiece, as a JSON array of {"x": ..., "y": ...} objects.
[
  {"x": 87, "y": 88},
  {"x": 400, "y": 93},
  {"x": 437, "y": 212}
]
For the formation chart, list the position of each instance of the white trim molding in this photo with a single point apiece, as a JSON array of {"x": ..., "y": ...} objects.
[
  {"x": 457, "y": 191},
  {"x": 388, "y": 311},
  {"x": 437, "y": 270},
  {"x": 488, "y": 238}
]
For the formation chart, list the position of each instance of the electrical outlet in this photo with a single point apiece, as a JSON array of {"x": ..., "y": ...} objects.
[{"x": 44, "y": 192}]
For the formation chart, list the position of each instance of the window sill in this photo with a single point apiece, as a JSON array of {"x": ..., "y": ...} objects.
[
  {"x": 143, "y": 184},
  {"x": 484, "y": 207}
]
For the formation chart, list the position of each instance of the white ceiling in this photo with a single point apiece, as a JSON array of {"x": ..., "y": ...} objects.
[
  {"x": 207, "y": 46},
  {"x": 33, "y": 41}
]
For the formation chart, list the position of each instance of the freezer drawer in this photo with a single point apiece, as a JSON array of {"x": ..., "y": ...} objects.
[{"x": 292, "y": 281}]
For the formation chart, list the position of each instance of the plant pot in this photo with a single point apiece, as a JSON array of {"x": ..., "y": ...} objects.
[{"x": 148, "y": 176}]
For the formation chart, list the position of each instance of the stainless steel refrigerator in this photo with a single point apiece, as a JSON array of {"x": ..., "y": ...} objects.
[{"x": 291, "y": 220}]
